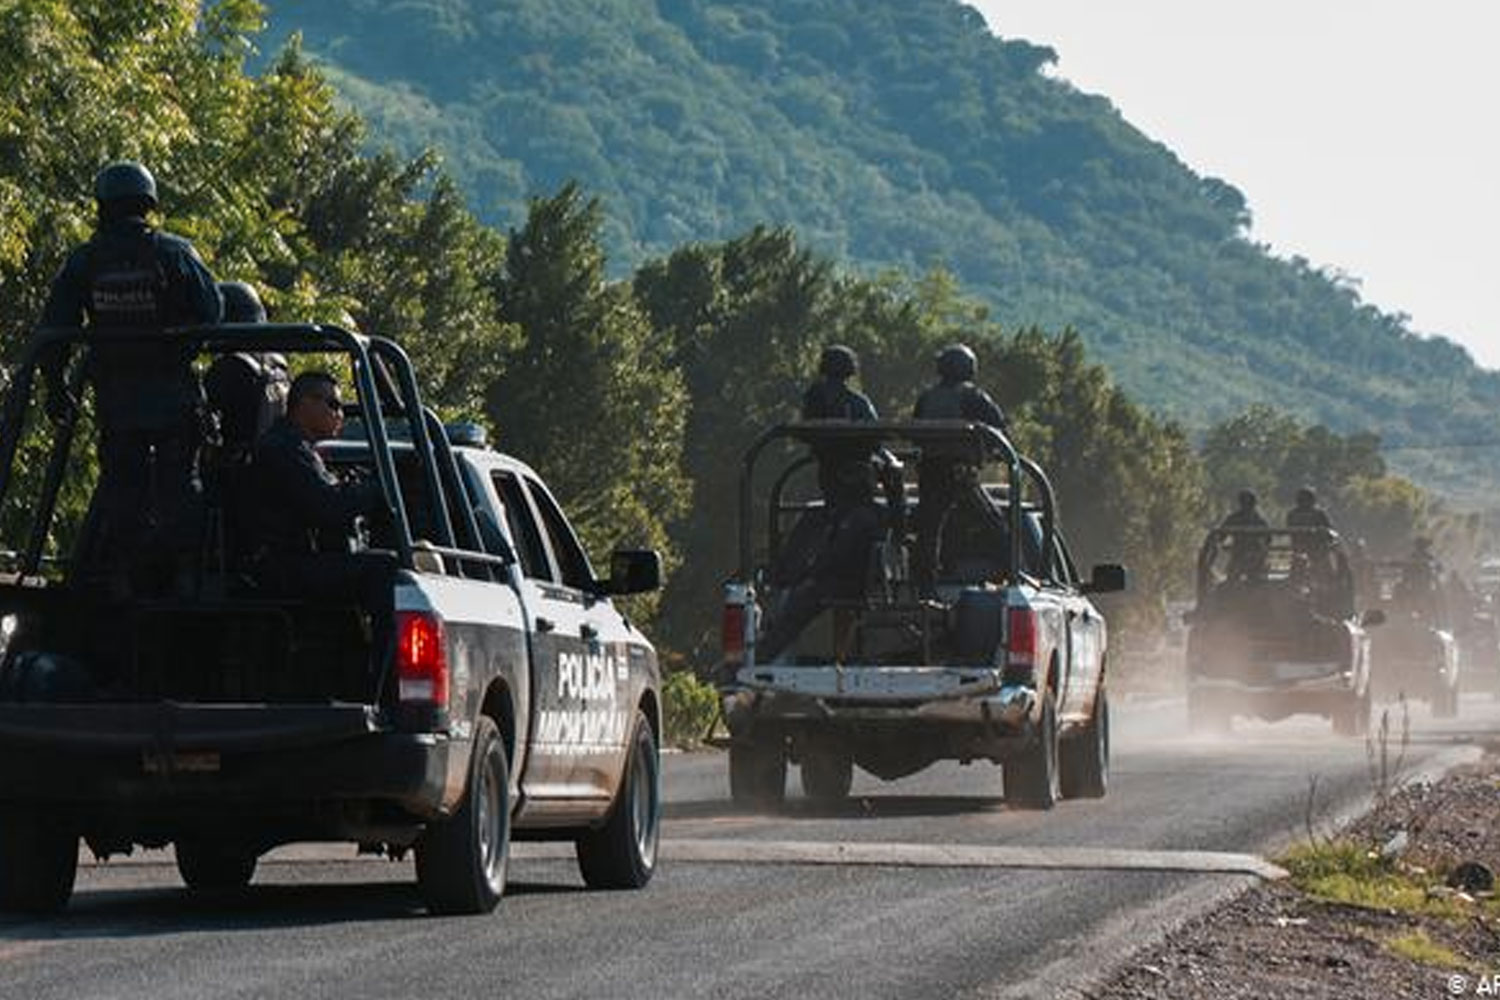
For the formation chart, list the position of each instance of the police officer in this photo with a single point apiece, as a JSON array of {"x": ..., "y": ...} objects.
[
  {"x": 1306, "y": 513},
  {"x": 246, "y": 390},
  {"x": 950, "y": 481},
  {"x": 845, "y": 473},
  {"x": 829, "y": 556},
  {"x": 1247, "y": 556},
  {"x": 130, "y": 277},
  {"x": 299, "y": 503},
  {"x": 1246, "y": 513}
]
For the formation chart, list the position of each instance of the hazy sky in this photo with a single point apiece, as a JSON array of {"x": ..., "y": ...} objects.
[{"x": 1364, "y": 133}]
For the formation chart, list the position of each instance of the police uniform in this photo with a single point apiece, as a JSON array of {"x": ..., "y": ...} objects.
[
  {"x": 950, "y": 481},
  {"x": 1247, "y": 557},
  {"x": 835, "y": 566},
  {"x": 150, "y": 405},
  {"x": 298, "y": 502}
]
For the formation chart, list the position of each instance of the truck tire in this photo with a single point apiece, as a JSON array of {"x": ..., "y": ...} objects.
[
  {"x": 206, "y": 866},
  {"x": 622, "y": 853},
  {"x": 38, "y": 861},
  {"x": 1084, "y": 756},
  {"x": 1032, "y": 779},
  {"x": 757, "y": 773},
  {"x": 827, "y": 770},
  {"x": 461, "y": 860}
]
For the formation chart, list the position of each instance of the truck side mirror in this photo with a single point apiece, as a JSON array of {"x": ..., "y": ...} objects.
[
  {"x": 1107, "y": 578},
  {"x": 633, "y": 571}
]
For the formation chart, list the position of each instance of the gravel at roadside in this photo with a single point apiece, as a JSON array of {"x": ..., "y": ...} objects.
[{"x": 1276, "y": 941}]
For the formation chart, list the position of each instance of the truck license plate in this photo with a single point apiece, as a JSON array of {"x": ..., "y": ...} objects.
[{"x": 181, "y": 762}]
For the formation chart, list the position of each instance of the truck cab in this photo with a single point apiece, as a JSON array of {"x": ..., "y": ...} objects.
[{"x": 225, "y": 719}]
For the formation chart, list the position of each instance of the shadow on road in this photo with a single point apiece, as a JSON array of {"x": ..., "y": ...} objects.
[
  {"x": 856, "y": 806},
  {"x": 153, "y": 912}
]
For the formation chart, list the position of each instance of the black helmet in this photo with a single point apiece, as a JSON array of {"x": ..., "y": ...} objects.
[
  {"x": 1247, "y": 500},
  {"x": 956, "y": 363},
  {"x": 126, "y": 180},
  {"x": 838, "y": 361},
  {"x": 1306, "y": 497},
  {"x": 241, "y": 302}
]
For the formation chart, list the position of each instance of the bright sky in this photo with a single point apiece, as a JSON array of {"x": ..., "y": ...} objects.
[{"x": 1363, "y": 133}]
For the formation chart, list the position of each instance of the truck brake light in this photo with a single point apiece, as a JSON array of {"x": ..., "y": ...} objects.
[
  {"x": 734, "y": 630},
  {"x": 1022, "y": 638},
  {"x": 739, "y": 604},
  {"x": 421, "y": 658}
]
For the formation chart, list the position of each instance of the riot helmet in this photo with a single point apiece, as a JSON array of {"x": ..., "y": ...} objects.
[
  {"x": 241, "y": 302},
  {"x": 125, "y": 181},
  {"x": 957, "y": 363},
  {"x": 838, "y": 362}
]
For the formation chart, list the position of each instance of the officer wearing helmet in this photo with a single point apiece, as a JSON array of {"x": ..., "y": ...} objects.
[
  {"x": 1247, "y": 556},
  {"x": 949, "y": 481},
  {"x": 131, "y": 277},
  {"x": 247, "y": 391},
  {"x": 1306, "y": 513},
  {"x": 845, "y": 474},
  {"x": 828, "y": 555}
]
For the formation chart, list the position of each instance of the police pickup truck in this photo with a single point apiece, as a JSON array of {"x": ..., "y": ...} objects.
[
  {"x": 1003, "y": 660},
  {"x": 519, "y": 701}
]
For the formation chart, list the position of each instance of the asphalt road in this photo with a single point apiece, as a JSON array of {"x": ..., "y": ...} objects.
[{"x": 912, "y": 890}]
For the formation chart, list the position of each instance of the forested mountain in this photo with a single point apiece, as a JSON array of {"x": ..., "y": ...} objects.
[{"x": 891, "y": 133}]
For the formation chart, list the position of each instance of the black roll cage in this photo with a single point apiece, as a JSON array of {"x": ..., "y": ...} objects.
[
  {"x": 385, "y": 387},
  {"x": 982, "y": 442},
  {"x": 1213, "y": 545}
]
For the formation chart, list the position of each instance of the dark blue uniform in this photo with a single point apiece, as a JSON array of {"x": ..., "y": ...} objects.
[
  {"x": 949, "y": 483},
  {"x": 297, "y": 505},
  {"x": 828, "y": 556},
  {"x": 130, "y": 277}
]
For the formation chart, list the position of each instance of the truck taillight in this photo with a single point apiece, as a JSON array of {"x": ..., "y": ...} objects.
[
  {"x": 421, "y": 658},
  {"x": 1022, "y": 639},
  {"x": 735, "y": 623},
  {"x": 734, "y": 630}
]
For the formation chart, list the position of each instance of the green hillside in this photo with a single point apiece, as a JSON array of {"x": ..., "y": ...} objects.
[{"x": 895, "y": 133}]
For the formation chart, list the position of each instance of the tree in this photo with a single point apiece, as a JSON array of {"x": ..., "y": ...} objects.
[{"x": 588, "y": 395}]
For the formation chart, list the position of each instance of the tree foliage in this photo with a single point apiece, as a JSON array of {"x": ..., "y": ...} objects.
[{"x": 899, "y": 133}]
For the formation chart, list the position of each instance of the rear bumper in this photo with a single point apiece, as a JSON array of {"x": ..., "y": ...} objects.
[
  {"x": 921, "y": 695},
  {"x": 135, "y": 756}
]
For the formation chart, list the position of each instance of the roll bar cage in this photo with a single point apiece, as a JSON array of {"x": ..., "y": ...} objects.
[
  {"x": 385, "y": 388},
  {"x": 981, "y": 442}
]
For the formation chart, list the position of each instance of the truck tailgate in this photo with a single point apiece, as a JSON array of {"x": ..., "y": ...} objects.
[
  {"x": 232, "y": 727},
  {"x": 874, "y": 684}
]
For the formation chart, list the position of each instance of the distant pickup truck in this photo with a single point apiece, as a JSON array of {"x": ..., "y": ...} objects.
[
  {"x": 1275, "y": 631},
  {"x": 227, "y": 721},
  {"x": 1004, "y": 662}
]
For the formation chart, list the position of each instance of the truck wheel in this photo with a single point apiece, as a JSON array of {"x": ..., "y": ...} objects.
[
  {"x": 461, "y": 860},
  {"x": 1084, "y": 757},
  {"x": 209, "y": 867},
  {"x": 757, "y": 773},
  {"x": 1032, "y": 780},
  {"x": 38, "y": 862},
  {"x": 622, "y": 853},
  {"x": 827, "y": 770}
]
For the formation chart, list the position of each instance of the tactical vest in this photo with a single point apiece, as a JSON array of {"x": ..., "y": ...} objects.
[{"x": 127, "y": 285}]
